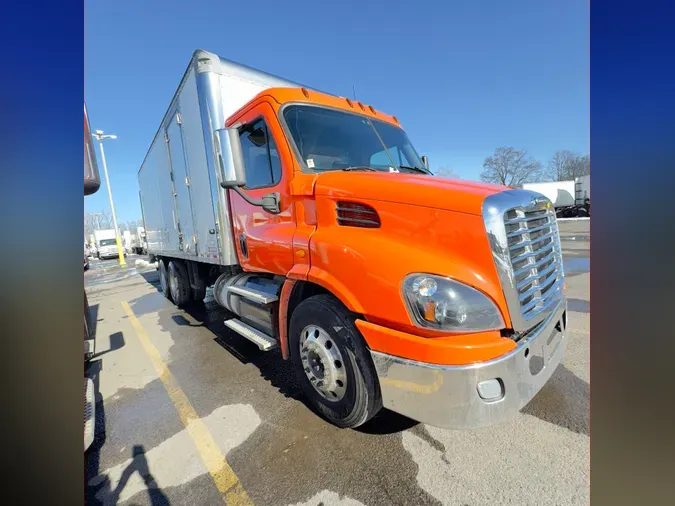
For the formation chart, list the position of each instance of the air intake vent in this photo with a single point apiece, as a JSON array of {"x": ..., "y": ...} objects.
[{"x": 353, "y": 214}]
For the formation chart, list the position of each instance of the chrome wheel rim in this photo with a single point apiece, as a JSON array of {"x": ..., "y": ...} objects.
[{"x": 323, "y": 363}]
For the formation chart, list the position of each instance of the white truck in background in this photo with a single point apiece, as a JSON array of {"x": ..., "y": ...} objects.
[
  {"x": 571, "y": 199},
  {"x": 106, "y": 244},
  {"x": 127, "y": 241},
  {"x": 140, "y": 245},
  {"x": 134, "y": 242}
]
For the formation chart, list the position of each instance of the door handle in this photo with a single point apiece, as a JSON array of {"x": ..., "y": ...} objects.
[{"x": 243, "y": 245}]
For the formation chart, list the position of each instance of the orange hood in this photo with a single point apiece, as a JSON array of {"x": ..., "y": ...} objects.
[{"x": 414, "y": 189}]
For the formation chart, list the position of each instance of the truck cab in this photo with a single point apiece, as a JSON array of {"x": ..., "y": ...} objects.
[{"x": 384, "y": 285}]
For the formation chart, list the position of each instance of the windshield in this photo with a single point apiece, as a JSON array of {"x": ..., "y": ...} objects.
[
  {"x": 328, "y": 139},
  {"x": 107, "y": 242}
]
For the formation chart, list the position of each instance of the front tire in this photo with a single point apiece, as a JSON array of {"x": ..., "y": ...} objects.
[
  {"x": 179, "y": 283},
  {"x": 333, "y": 366}
]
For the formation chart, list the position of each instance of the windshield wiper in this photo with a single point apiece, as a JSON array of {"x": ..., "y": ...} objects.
[
  {"x": 417, "y": 169},
  {"x": 361, "y": 167}
]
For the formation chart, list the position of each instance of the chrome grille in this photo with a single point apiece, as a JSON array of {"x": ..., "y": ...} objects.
[{"x": 536, "y": 261}]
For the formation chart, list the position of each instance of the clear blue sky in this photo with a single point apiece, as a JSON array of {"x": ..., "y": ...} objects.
[{"x": 463, "y": 77}]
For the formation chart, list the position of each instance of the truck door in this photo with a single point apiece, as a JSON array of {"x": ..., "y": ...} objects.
[
  {"x": 181, "y": 186},
  {"x": 264, "y": 240}
]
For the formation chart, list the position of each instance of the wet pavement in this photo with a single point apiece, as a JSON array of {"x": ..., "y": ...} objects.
[
  {"x": 169, "y": 381},
  {"x": 110, "y": 271}
]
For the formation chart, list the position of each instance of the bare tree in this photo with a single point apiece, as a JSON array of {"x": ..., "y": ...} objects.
[
  {"x": 581, "y": 166},
  {"x": 510, "y": 167},
  {"x": 558, "y": 166},
  {"x": 566, "y": 165},
  {"x": 96, "y": 221},
  {"x": 444, "y": 171},
  {"x": 131, "y": 225}
]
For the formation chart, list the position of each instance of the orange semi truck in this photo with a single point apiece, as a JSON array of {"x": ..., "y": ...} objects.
[{"x": 325, "y": 234}]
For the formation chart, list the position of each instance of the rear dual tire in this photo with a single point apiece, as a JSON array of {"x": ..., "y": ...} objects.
[
  {"x": 179, "y": 283},
  {"x": 175, "y": 283}
]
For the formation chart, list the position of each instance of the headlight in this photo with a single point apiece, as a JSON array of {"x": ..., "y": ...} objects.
[{"x": 441, "y": 303}]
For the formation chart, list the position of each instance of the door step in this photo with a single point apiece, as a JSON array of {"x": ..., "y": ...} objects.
[
  {"x": 262, "y": 340},
  {"x": 254, "y": 295},
  {"x": 89, "y": 413}
]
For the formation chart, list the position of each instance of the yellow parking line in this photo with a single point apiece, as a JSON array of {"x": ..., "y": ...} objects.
[{"x": 223, "y": 476}]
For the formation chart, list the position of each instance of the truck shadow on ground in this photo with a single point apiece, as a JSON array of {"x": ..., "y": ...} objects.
[
  {"x": 563, "y": 401},
  {"x": 579, "y": 305},
  {"x": 116, "y": 342}
]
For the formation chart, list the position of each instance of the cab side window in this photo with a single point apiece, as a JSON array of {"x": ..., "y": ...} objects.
[{"x": 261, "y": 159}]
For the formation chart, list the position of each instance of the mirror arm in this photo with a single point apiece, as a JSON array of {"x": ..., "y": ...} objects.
[
  {"x": 253, "y": 202},
  {"x": 269, "y": 202}
]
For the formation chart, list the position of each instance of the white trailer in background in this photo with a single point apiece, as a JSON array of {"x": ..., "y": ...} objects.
[
  {"x": 571, "y": 199},
  {"x": 583, "y": 189},
  {"x": 560, "y": 193}
]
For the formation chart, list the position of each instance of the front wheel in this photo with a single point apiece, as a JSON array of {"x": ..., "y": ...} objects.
[{"x": 333, "y": 363}]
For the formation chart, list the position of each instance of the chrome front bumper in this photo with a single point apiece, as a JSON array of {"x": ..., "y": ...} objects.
[{"x": 447, "y": 396}]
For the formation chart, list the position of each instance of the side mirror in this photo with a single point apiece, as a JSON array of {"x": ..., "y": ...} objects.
[
  {"x": 231, "y": 162},
  {"x": 229, "y": 157},
  {"x": 425, "y": 161}
]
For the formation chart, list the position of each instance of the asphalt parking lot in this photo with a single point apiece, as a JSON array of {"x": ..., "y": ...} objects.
[{"x": 187, "y": 409}]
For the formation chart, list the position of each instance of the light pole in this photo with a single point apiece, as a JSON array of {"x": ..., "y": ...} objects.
[{"x": 100, "y": 136}]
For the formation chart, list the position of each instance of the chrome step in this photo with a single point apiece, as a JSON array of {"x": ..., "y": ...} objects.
[
  {"x": 262, "y": 340},
  {"x": 254, "y": 295},
  {"x": 89, "y": 413}
]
